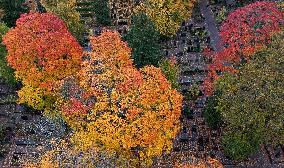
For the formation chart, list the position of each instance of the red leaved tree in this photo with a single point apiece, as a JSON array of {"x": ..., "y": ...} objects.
[
  {"x": 42, "y": 52},
  {"x": 245, "y": 31}
]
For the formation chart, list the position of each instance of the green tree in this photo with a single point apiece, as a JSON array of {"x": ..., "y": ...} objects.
[
  {"x": 6, "y": 72},
  {"x": 144, "y": 40},
  {"x": 239, "y": 145},
  {"x": 12, "y": 10},
  {"x": 211, "y": 114},
  {"x": 102, "y": 12},
  {"x": 170, "y": 69},
  {"x": 252, "y": 100}
]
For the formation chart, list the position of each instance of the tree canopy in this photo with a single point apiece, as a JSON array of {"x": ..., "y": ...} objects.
[
  {"x": 167, "y": 15},
  {"x": 117, "y": 108},
  {"x": 251, "y": 102},
  {"x": 39, "y": 55},
  {"x": 65, "y": 9},
  {"x": 245, "y": 31},
  {"x": 144, "y": 39}
]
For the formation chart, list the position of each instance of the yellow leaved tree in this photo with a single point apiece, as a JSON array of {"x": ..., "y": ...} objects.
[
  {"x": 116, "y": 109},
  {"x": 167, "y": 15}
]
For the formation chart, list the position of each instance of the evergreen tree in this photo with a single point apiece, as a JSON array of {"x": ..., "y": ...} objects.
[
  {"x": 12, "y": 10},
  {"x": 143, "y": 38},
  {"x": 102, "y": 12}
]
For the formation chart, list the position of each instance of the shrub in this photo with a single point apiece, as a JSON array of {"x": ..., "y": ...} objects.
[
  {"x": 211, "y": 114},
  {"x": 170, "y": 69},
  {"x": 193, "y": 92},
  {"x": 221, "y": 15},
  {"x": 42, "y": 52},
  {"x": 144, "y": 41}
]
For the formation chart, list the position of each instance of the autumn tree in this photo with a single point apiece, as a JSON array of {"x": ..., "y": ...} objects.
[
  {"x": 65, "y": 9},
  {"x": 114, "y": 107},
  {"x": 251, "y": 102},
  {"x": 42, "y": 52},
  {"x": 167, "y": 15},
  {"x": 245, "y": 31},
  {"x": 249, "y": 28},
  {"x": 12, "y": 10},
  {"x": 143, "y": 38}
]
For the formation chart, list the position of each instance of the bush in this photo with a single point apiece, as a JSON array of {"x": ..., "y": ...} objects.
[
  {"x": 221, "y": 15},
  {"x": 239, "y": 145},
  {"x": 193, "y": 92},
  {"x": 170, "y": 69},
  {"x": 144, "y": 41},
  {"x": 211, "y": 114},
  {"x": 12, "y": 10},
  {"x": 6, "y": 72}
]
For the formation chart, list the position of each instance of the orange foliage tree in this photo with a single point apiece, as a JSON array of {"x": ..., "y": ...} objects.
[
  {"x": 113, "y": 106},
  {"x": 42, "y": 52},
  {"x": 245, "y": 31}
]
